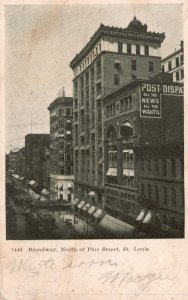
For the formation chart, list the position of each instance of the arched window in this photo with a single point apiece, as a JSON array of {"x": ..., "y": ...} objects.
[{"x": 126, "y": 130}]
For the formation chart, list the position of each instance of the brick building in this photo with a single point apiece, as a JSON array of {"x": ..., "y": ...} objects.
[
  {"x": 35, "y": 147},
  {"x": 61, "y": 148},
  {"x": 143, "y": 132},
  {"x": 112, "y": 57}
]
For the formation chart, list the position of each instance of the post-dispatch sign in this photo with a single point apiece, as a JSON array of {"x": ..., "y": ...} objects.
[{"x": 150, "y": 102}]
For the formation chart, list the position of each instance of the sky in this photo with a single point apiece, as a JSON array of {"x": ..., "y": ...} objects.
[{"x": 40, "y": 42}]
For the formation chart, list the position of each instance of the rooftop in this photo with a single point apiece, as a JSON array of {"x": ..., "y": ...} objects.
[{"x": 135, "y": 30}]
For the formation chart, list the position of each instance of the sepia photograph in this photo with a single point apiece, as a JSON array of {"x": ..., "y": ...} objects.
[{"x": 94, "y": 121}]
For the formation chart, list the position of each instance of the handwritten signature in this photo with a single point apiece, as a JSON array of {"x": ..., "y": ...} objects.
[{"x": 115, "y": 276}]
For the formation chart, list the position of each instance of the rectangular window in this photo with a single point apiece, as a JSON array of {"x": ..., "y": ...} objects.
[
  {"x": 164, "y": 195},
  {"x": 173, "y": 197},
  {"x": 61, "y": 123},
  {"x": 164, "y": 167},
  {"x": 177, "y": 62},
  {"x": 133, "y": 64},
  {"x": 169, "y": 65},
  {"x": 146, "y": 50},
  {"x": 120, "y": 47},
  {"x": 163, "y": 69},
  {"x": 129, "y": 48},
  {"x": 116, "y": 79},
  {"x": 150, "y": 66},
  {"x": 62, "y": 171},
  {"x": 138, "y": 49},
  {"x": 181, "y": 59},
  {"x": 62, "y": 157},
  {"x": 156, "y": 193},
  {"x": 182, "y": 73},
  {"x": 61, "y": 146},
  {"x": 177, "y": 76},
  {"x": 173, "y": 167}
]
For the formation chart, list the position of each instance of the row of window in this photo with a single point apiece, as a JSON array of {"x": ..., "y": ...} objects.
[
  {"x": 130, "y": 48},
  {"x": 68, "y": 170},
  {"x": 65, "y": 146},
  {"x": 127, "y": 156},
  {"x": 65, "y": 157},
  {"x": 173, "y": 63},
  {"x": 65, "y": 111},
  {"x": 125, "y": 206},
  {"x": 179, "y": 75},
  {"x": 163, "y": 167},
  {"x": 151, "y": 192}
]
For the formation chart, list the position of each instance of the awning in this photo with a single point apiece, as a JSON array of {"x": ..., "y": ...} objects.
[
  {"x": 82, "y": 147},
  {"x": 131, "y": 151},
  {"x": 92, "y": 193},
  {"x": 127, "y": 124},
  {"x": 68, "y": 121},
  {"x": 91, "y": 210},
  {"x": 75, "y": 201},
  {"x": 85, "y": 207},
  {"x": 98, "y": 213},
  {"x": 32, "y": 182},
  {"x": 116, "y": 226},
  {"x": 16, "y": 176},
  {"x": 141, "y": 215},
  {"x": 81, "y": 204},
  {"x": 87, "y": 147},
  {"x": 128, "y": 172},
  {"x": 126, "y": 150},
  {"x": 68, "y": 132},
  {"x": 148, "y": 217},
  {"x": 70, "y": 184},
  {"x": 112, "y": 172},
  {"x": 21, "y": 178},
  {"x": 44, "y": 192}
]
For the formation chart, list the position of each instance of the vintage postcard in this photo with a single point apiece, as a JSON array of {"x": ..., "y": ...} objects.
[{"x": 93, "y": 152}]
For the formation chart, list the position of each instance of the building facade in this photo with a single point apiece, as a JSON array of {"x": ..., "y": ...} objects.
[
  {"x": 144, "y": 161},
  {"x": 35, "y": 147},
  {"x": 61, "y": 148},
  {"x": 112, "y": 57},
  {"x": 174, "y": 64}
]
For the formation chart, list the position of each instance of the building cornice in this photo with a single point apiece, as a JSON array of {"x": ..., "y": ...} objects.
[
  {"x": 110, "y": 31},
  {"x": 60, "y": 100}
]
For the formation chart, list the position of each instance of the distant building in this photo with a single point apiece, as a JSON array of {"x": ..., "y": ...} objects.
[
  {"x": 61, "y": 148},
  {"x": 174, "y": 64},
  {"x": 112, "y": 57},
  {"x": 35, "y": 147},
  {"x": 144, "y": 161},
  {"x": 13, "y": 155},
  {"x": 46, "y": 169}
]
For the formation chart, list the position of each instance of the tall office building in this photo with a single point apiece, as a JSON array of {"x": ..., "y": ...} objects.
[
  {"x": 61, "y": 148},
  {"x": 112, "y": 57}
]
